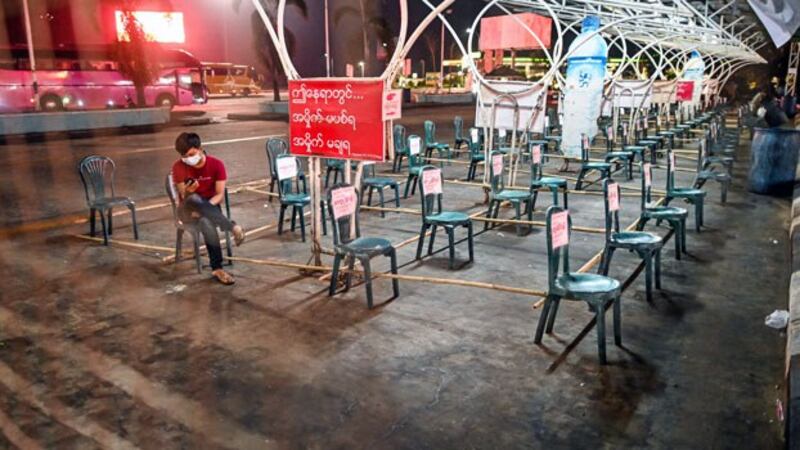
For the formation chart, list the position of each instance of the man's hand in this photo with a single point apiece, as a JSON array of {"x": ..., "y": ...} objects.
[{"x": 191, "y": 186}]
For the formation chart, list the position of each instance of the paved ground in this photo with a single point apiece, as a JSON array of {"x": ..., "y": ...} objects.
[{"x": 98, "y": 350}]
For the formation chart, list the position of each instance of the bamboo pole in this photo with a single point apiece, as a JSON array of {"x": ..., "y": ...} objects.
[{"x": 121, "y": 243}]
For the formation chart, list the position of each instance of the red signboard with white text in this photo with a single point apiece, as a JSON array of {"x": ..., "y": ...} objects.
[
  {"x": 336, "y": 118},
  {"x": 684, "y": 91}
]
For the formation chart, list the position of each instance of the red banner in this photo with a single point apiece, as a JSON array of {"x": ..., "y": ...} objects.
[
  {"x": 506, "y": 32},
  {"x": 336, "y": 118},
  {"x": 684, "y": 91}
]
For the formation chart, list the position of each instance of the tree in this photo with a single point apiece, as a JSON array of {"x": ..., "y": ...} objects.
[
  {"x": 135, "y": 57},
  {"x": 265, "y": 50},
  {"x": 373, "y": 26}
]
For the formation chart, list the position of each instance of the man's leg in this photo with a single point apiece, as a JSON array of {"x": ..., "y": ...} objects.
[
  {"x": 196, "y": 204},
  {"x": 211, "y": 237}
]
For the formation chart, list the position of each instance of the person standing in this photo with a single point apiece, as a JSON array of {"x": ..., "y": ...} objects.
[{"x": 200, "y": 180}]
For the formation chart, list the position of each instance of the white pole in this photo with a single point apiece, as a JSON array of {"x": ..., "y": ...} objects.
[
  {"x": 327, "y": 42},
  {"x": 441, "y": 59},
  {"x": 31, "y": 56}
]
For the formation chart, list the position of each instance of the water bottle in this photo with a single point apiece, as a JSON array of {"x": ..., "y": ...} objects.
[
  {"x": 586, "y": 70},
  {"x": 694, "y": 71}
]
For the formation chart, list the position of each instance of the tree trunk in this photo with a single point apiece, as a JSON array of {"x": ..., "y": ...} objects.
[{"x": 141, "y": 101}]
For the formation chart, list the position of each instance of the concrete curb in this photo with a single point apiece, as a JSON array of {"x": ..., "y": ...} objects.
[{"x": 65, "y": 121}]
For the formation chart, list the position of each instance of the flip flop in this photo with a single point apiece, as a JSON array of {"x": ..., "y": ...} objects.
[
  {"x": 238, "y": 235},
  {"x": 223, "y": 277}
]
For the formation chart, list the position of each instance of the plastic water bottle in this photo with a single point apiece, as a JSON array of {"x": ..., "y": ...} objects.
[
  {"x": 694, "y": 71},
  {"x": 586, "y": 70}
]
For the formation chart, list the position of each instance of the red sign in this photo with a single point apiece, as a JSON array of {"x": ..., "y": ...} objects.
[
  {"x": 613, "y": 197},
  {"x": 336, "y": 118},
  {"x": 559, "y": 229},
  {"x": 393, "y": 104},
  {"x": 514, "y": 31},
  {"x": 684, "y": 91}
]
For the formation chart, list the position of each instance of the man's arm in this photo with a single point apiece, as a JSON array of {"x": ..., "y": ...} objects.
[{"x": 219, "y": 188}]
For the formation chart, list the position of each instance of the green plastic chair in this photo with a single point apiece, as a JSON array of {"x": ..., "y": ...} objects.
[
  {"x": 336, "y": 166},
  {"x": 342, "y": 201},
  {"x": 373, "y": 183},
  {"x": 400, "y": 147},
  {"x": 690, "y": 194},
  {"x": 705, "y": 172},
  {"x": 675, "y": 217},
  {"x": 598, "y": 291},
  {"x": 291, "y": 194},
  {"x": 500, "y": 194},
  {"x": 414, "y": 163},
  {"x": 539, "y": 182},
  {"x": 97, "y": 176},
  {"x": 458, "y": 125},
  {"x": 476, "y": 155},
  {"x": 431, "y": 144},
  {"x": 586, "y": 166},
  {"x": 431, "y": 193},
  {"x": 624, "y": 157},
  {"x": 646, "y": 245}
]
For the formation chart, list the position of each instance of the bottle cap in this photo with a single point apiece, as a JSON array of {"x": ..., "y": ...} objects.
[{"x": 590, "y": 23}]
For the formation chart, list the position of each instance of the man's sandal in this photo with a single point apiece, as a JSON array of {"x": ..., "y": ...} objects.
[
  {"x": 223, "y": 277},
  {"x": 238, "y": 235}
]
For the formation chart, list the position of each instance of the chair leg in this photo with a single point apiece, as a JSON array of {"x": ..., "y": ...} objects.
[
  {"x": 178, "y": 245},
  {"x": 648, "y": 277},
  {"x": 395, "y": 281},
  {"x": 421, "y": 242},
  {"x": 322, "y": 217},
  {"x": 348, "y": 279},
  {"x": 367, "y": 280},
  {"x": 470, "y": 243},
  {"x": 135, "y": 224},
  {"x": 414, "y": 186},
  {"x": 92, "y": 218},
  {"x": 294, "y": 215},
  {"x": 337, "y": 261},
  {"x": 552, "y": 319},
  {"x": 369, "y": 195},
  {"x": 600, "y": 315},
  {"x": 605, "y": 262},
  {"x": 518, "y": 216},
  {"x": 699, "y": 213},
  {"x": 543, "y": 318},
  {"x": 554, "y": 191},
  {"x": 103, "y": 224},
  {"x": 280, "y": 219},
  {"x": 433, "y": 238},
  {"x": 408, "y": 185},
  {"x": 579, "y": 183},
  {"x": 302, "y": 218},
  {"x": 618, "y": 321},
  {"x": 396, "y": 195},
  {"x": 657, "y": 256},
  {"x": 724, "y": 188},
  {"x": 683, "y": 235},
  {"x": 566, "y": 198},
  {"x": 451, "y": 244},
  {"x": 110, "y": 214},
  {"x": 380, "y": 194},
  {"x": 488, "y": 215},
  {"x": 271, "y": 189}
]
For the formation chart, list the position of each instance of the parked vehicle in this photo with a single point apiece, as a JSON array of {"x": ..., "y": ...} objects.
[{"x": 230, "y": 79}]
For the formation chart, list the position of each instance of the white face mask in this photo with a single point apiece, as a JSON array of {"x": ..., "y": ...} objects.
[
  {"x": 761, "y": 112},
  {"x": 192, "y": 160}
]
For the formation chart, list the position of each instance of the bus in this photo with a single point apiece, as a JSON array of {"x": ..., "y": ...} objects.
[
  {"x": 230, "y": 79},
  {"x": 87, "y": 79}
]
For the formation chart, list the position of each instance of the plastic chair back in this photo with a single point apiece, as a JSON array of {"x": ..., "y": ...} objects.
[
  {"x": 458, "y": 126},
  {"x": 342, "y": 199},
  {"x": 287, "y": 185},
  {"x": 612, "y": 201},
  {"x": 670, "y": 170},
  {"x": 415, "y": 160},
  {"x": 400, "y": 140},
  {"x": 430, "y": 132},
  {"x": 496, "y": 173},
  {"x": 647, "y": 183},
  {"x": 275, "y": 148},
  {"x": 172, "y": 194},
  {"x": 536, "y": 166},
  {"x": 557, "y": 255},
  {"x": 430, "y": 190},
  {"x": 97, "y": 176}
]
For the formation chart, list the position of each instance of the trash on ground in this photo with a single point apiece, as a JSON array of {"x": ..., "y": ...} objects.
[{"x": 778, "y": 319}]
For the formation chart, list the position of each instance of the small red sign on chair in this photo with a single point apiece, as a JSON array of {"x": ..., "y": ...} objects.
[
  {"x": 610, "y": 133},
  {"x": 343, "y": 201},
  {"x": 432, "y": 181},
  {"x": 672, "y": 160},
  {"x": 648, "y": 175},
  {"x": 475, "y": 136},
  {"x": 613, "y": 197},
  {"x": 586, "y": 144},
  {"x": 497, "y": 164},
  {"x": 536, "y": 154},
  {"x": 559, "y": 229},
  {"x": 414, "y": 145}
]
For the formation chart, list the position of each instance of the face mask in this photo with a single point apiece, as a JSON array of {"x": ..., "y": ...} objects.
[
  {"x": 761, "y": 112},
  {"x": 192, "y": 160}
]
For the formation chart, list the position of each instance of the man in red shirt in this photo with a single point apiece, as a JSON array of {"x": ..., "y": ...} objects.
[{"x": 200, "y": 180}]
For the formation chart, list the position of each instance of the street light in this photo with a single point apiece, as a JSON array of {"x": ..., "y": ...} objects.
[{"x": 361, "y": 65}]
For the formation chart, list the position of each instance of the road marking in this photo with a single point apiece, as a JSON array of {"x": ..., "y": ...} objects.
[{"x": 209, "y": 143}]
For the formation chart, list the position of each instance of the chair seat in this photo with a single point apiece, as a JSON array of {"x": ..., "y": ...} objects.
[
  {"x": 478, "y": 157},
  {"x": 665, "y": 212},
  {"x": 110, "y": 202},
  {"x": 597, "y": 165},
  {"x": 553, "y": 138},
  {"x": 366, "y": 245},
  {"x": 448, "y": 218},
  {"x": 623, "y": 155},
  {"x": 549, "y": 181},
  {"x": 295, "y": 199},
  {"x": 414, "y": 170},
  {"x": 438, "y": 145},
  {"x": 379, "y": 182},
  {"x": 712, "y": 175},
  {"x": 505, "y": 150},
  {"x": 686, "y": 192},
  {"x": 634, "y": 148},
  {"x": 647, "y": 142},
  {"x": 666, "y": 133},
  {"x": 720, "y": 159},
  {"x": 583, "y": 285},
  {"x": 512, "y": 196},
  {"x": 539, "y": 142},
  {"x": 636, "y": 239},
  {"x": 654, "y": 138}
]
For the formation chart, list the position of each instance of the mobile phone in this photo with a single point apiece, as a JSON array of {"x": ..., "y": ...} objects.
[{"x": 189, "y": 181}]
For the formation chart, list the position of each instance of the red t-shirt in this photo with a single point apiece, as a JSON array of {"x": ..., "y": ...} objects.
[{"x": 206, "y": 176}]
